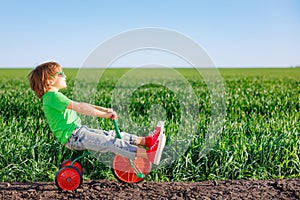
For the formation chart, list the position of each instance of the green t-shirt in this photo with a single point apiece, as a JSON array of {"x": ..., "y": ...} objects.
[{"x": 62, "y": 121}]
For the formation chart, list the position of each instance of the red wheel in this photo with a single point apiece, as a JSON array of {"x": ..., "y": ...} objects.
[
  {"x": 68, "y": 162},
  {"x": 68, "y": 178},
  {"x": 124, "y": 171}
]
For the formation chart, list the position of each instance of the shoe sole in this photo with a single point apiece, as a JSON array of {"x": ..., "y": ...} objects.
[
  {"x": 161, "y": 145},
  {"x": 160, "y": 124}
]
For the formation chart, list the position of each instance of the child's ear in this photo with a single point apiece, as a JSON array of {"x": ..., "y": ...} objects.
[{"x": 49, "y": 82}]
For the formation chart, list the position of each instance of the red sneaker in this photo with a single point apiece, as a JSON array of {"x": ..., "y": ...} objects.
[
  {"x": 155, "y": 152},
  {"x": 154, "y": 136}
]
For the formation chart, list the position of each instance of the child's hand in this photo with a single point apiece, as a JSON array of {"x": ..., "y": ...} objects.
[{"x": 114, "y": 116}]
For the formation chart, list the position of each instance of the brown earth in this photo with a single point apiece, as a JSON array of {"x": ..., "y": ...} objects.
[{"x": 102, "y": 189}]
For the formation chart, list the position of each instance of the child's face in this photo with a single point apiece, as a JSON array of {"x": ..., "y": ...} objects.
[{"x": 59, "y": 80}]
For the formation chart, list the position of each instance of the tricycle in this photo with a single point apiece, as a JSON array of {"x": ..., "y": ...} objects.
[{"x": 69, "y": 176}]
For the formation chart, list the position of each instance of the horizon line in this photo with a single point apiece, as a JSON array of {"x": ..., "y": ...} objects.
[{"x": 116, "y": 67}]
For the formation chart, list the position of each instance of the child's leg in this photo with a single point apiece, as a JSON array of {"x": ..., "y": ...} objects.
[
  {"x": 147, "y": 141},
  {"x": 132, "y": 139},
  {"x": 102, "y": 141}
]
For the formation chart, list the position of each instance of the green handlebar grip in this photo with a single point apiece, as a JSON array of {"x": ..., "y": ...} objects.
[{"x": 118, "y": 135}]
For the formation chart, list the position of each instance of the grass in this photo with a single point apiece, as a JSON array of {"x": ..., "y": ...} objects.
[{"x": 259, "y": 139}]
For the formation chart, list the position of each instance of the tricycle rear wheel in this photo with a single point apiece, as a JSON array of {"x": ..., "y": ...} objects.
[
  {"x": 68, "y": 178},
  {"x": 76, "y": 164}
]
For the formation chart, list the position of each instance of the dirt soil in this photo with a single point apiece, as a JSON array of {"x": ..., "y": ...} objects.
[{"x": 102, "y": 189}]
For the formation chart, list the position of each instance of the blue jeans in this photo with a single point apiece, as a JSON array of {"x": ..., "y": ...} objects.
[{"x": 85, "y": 138}]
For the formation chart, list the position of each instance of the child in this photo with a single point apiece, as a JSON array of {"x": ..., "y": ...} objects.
[{"x": 46, "y": 80}]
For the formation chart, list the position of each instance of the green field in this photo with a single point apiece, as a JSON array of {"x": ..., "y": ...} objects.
[{"x": 259, "y": 139}]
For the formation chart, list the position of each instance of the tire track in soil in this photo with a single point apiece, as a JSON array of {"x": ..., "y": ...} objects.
[{"x": 103, "y": 189}]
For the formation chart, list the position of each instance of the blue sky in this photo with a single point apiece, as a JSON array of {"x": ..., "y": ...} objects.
[{"x": 234, "y": 33}]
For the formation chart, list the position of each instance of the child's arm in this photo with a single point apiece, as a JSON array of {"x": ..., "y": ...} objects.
[
  {"x": 103, "y": 109},
  {"x": 91, "y": 110}
]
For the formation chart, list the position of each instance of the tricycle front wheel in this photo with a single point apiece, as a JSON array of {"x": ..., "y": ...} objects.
[{"x": 124, "y": 171}]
